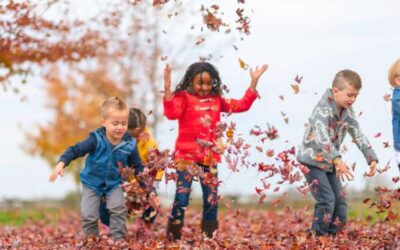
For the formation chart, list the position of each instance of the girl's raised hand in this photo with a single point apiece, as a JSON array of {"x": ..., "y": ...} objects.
[
  {"x": 255, "y": 75},
  {"x": 167, "y": 81},
  {"x": 258, "y": 71}
]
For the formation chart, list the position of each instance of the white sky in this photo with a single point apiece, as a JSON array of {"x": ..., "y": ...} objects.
[{"x": 312, "y": 38}]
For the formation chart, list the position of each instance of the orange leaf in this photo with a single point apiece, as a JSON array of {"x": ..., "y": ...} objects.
[
  {"x": 295, "y": 88},
  {"x": 243, "y": 65}
]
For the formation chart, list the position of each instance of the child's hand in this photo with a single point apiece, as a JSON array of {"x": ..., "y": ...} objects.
[
  {"x": 256, "y": 74},
  {"x": 343, "y": 171},
  {"x": 372, "y": 169},
  {"x": 59, "y": 170},
  {"x": 155, "y": 200},
  {"x": 167, "y": 81}
]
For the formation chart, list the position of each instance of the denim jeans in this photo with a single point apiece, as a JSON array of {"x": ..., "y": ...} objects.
[
  {"x": 330, "y": 210},
  {"x": 182, "y": 194}
]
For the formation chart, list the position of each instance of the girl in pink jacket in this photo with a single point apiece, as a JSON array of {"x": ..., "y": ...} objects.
[{"x": 197, "y": 103}]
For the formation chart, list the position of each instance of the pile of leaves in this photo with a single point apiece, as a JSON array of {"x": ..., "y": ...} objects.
[{"x": 239, "y": 229}]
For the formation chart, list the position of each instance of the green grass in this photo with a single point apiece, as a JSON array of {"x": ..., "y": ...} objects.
[{"x": 18, "y": 217}]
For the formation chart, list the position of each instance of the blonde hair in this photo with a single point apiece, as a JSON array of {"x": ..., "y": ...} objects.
[
  {"x": 112, "y": 103},
  {"x": 349, "y": 76},
  {"x": 394, "y": 72}
]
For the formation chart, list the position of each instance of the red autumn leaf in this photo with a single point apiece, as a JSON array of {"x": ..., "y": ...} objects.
[{"x": 298, "y": 79}]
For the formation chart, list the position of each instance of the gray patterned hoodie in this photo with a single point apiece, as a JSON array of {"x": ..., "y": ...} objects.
[{"x": 325, "y": 133}]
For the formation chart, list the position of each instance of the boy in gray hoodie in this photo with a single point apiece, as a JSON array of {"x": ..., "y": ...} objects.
[{"x": 327, "y": 126}]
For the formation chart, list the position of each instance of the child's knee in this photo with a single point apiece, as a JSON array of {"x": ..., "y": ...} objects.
[{"x": 88, "y": 218}]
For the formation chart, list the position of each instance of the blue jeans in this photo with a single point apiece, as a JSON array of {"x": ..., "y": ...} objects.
[
  {"x": 330, "y": 210},
  {"x": 182, "y": 194}
]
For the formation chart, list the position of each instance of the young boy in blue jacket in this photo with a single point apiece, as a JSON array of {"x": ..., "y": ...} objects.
[
  {"x": 330, "y": 121},
  {"x": 394, "y": 80},
  {"x": 108, "y": 147}
]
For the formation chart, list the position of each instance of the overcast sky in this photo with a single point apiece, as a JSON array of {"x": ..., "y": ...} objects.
[{"x": 312, "y": 38}]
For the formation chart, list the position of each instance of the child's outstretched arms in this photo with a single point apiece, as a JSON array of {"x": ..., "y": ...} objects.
[
  {"x": 167, "y": 82},
  {"x": 58, "y": 170},
  {"x": 255, "y": 75}
]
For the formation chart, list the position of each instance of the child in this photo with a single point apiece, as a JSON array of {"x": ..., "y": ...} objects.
[
  {"x": 394, "y": 80},
  {"x": 330, "y": 121},
  {"x": 145, "y": 143},
  {"x": 197, "y": 103},
  {"x": 108, "y": 147}
]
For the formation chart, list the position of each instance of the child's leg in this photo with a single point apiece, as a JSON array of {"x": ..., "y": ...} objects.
[
  {"x": 116, "y": 206},
  {"x": 321, "y": 190},
  {"x": 90, "y": 212},
  {"x": 182, "y": 194},
  {"x": 181, "y": 201},
  {"x": 149, "y": 215},
  {"x": 209, "y": 185},
  {"x": 340, "y": 212},
  {"x": 104, "y": 213}
]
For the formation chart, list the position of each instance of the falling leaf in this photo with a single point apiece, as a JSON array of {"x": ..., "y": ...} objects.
[
  {"x": 386, "y": 144},
  {"x": 377, "y": 135},
  {"x": 319, "y": 157},
  {"x": 259, "y": 149},
  {"x": 366, "y": 200},
  {"x": 281, "y": 97},
  {"x": 270, "y": 153},
  {"x": 242, "y": 64},
  {"x": 387, "y": 97},
  {"x": 298, "y": 79},
  {"x": 200, "y": 41},
  {"x": 295, "y": 88}
]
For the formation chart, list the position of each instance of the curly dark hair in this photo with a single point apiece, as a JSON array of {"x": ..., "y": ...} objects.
[{"x": 198, "y": 68}]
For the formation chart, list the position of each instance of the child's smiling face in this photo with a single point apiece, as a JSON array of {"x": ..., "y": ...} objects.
[
  {"x": 202, "y": 84},
  {"x": 116, "y": 124}
]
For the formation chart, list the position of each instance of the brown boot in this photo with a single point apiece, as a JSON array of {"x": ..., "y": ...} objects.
[
  {"x": 208, "y": 227},
  {"x": 174, "y": 231}
]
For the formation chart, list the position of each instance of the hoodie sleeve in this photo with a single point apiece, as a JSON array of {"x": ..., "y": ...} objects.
[
  {"x": 239, "y": 105},
  {"x": 174, "y": 108},
  {"x": 80, "y": 149}
]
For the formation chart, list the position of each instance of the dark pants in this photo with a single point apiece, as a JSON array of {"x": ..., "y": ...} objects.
[
  {"x": 330, "y": 210},
  {"x": 182, "y": 194}
]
